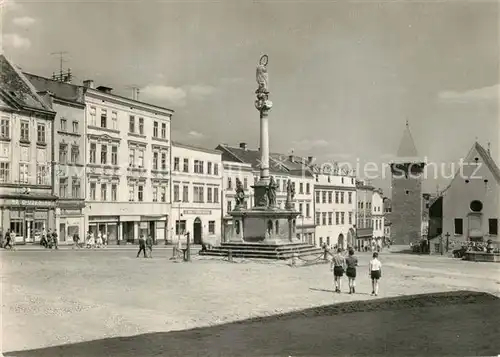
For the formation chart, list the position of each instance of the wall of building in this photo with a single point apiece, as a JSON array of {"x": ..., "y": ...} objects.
[
  {"x": 460, "y": 194},
  {"x": 197, "y": 194},
  {"x": 378, "y": 215}
]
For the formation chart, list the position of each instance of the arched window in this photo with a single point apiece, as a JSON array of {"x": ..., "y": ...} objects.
[{"x": 277, "y": 227}]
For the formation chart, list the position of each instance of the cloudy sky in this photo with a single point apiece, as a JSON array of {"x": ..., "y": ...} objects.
[{"x": 344, "y": 76}]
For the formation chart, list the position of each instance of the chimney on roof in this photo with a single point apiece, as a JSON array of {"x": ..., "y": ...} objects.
[
  {"x": 135, "y": 93},
  {"x": 310, "y": 159},
  {"x": 243, "y": 146},
  {"x": 291, "y": 158},
  {"x": 88, "y": 83}
]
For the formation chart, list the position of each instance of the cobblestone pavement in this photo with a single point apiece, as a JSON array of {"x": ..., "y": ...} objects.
[{"x": 52, "y": 298}]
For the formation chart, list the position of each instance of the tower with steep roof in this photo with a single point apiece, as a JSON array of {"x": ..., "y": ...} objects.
[{"x": 406, "y": 184}]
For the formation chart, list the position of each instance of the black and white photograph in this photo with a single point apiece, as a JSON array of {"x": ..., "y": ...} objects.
[{"x": 252, "y": 178}]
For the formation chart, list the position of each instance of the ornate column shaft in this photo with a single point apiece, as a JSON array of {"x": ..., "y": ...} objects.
[{"x": 264, "y": 145}]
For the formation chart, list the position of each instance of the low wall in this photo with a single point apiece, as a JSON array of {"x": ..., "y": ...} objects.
[{"x": 482, "y": 257}]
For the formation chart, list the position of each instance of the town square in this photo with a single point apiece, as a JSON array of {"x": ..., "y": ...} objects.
[{"x": 251, "y": 179}]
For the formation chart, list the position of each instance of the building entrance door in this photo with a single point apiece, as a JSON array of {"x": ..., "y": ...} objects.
[
  {"x": 197, "y": 231},
  {"x": 62, "y": 232},
  {"x": 475, "y": 232}
]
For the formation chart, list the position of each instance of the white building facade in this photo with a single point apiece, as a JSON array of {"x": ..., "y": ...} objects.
[
  {"x": 197, "y": 198},
  {"x": 128, "y": 156},
  {"x": 378, "y": 216},
  {"x": 335, "y": 209}
]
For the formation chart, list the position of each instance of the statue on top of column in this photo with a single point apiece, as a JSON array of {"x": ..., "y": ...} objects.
[{"x": 262, "y": 76}]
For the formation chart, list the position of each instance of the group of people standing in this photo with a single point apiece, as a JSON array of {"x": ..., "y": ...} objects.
[
  {"x": 348, "y": 265},
  {"x": 99, "y": 241}
]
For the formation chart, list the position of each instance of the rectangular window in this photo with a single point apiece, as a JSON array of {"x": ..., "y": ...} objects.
[
  {"x": 342, "y": 197},
  {"x": 318, "y": 218},
  {"x": 104, "y": 192},
  {"x": 342, "y": 217},
  {"x": 330, "y": 218},
  {"x": 301, "y": 207},
  {"x": 180, "y": 227},
  {"x": 141, "y": 126},
  {"x": 92, "y": 191},
  {"x": 41, "y": 174},
  {"x": 75, "y": 154},
  {"x": 459, "y": 226},
  {"x": 323, "y": 196},
  {"x": 114, "y": 155},
  {"x": 25, "y": 130},
  {"x": 23, "y": 173},
  {"x": 163, "y": 194},
  {"x": 323, "y": 218},
  {"x": 92, "y": 116},
  {"x": 185, "y": 193},
  {"x": 155, "y": 161},
  {"x": 216, "y": 195},
  {"x": 40, "y": 133},
  {"x": 337, "y": 218},
  {"x": 336, "y": 197},
  {"x": 350, "y": 217},
  {"x": 104, "y": 154},
  {"x": 131, "y": 124},
  {"x": 245, "y": 183},
  {"x": 308, "y": 188},
  {"x": 229, "y": 206},
  {"x": 63, "y": 153},
  {"x": 209, "y": 168},
  {"x": 318, "y": 195},
  {"x": 229, "y": 183},
  {"x": 63, "y": 124},
  {"x": 104, "y": 118},
  {"x": 186, "y": 165},
  {"x": 155, "y": 193},
  {"x": 211, "y": 227},
  {"x": 198, "y": 167},
  {"x": 93, "y": 149},
  {"x": 131, "y": 192},
  {"x": 5, "y": 128},
  {"x": 114, "y": 120},
  {"x": 209, "y": 194},
  {"x": 330, "y": 195},
  {"x": 308, "y": 210},
  {"x": 216, "y": 169},
  {"x": 140, "y": 158},
  {"x": 113, "y": 192},
  {"x": 163, "y": 161},
  {"x": 140, "y": 193},
  {"x": 301, "y": 188},
  {"x": 493, "y": 226},
  {"x": 75, "y": 188},
  {"x": 163, "y": 130},
  {"x": 131, "y": 157},
  {"x": 155, "y": 129},
  {"x": 176, "y": 193},
  {"x": 198, "y": 194},
  {"x": 176, "y": 164},
  {"x": 349, "y": 197}
]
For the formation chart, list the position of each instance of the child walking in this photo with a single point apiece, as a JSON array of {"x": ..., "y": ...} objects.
[
  {"x": 375, "y": 272},
  {"x": 352, "y": 263},
  {"x": 338, "y": 266}
]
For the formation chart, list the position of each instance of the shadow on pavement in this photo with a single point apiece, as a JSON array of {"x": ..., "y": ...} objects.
[{"x": 459, "y": 323}]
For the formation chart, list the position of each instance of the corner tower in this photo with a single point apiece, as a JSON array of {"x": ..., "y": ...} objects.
[{"x": 406, "y": 186}]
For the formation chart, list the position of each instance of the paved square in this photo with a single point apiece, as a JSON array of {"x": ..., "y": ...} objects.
[{"x": 52, "y": 298}]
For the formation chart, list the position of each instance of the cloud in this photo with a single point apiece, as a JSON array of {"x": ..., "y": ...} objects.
[
  {"x": 200, "y": 91},
  {"x": 309, "y": 144},
  {"x": 195, "y": 134},
  {"x": 24, "y": 21},
  {"x": 172, "y": 95},
  {"x": 474, "y": 95},
  {"x": 15, "y": 41}
]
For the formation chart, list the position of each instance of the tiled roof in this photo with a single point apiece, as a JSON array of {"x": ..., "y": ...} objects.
[
  {"x": 488, "y": 160},
  {"x": 196, "y": 148},
  {"x": 407, "y": 151},
  {"x": 16, "y": 87},
  {"x": 60, "y": 89}
]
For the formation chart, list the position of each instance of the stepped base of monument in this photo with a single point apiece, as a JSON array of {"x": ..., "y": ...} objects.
[{"x": 278, "y": 251}]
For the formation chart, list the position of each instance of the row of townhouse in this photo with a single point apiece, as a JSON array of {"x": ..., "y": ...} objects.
[{"x": 79, "y": 158}]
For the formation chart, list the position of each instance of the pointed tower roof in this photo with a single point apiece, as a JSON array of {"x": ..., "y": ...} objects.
[{"x": 407, "y": 151}]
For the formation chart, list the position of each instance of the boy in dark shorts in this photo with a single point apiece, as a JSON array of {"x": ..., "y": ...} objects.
[
  {"x": 352, "y": 263},
  {"x": 338, "y": 267},
  {"x": 375, "y": 272}
]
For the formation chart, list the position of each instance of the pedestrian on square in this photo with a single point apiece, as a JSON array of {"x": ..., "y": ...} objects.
[
  {"x": 99, "y": 240},
  {"x": 149, "y": 246},
  {"x": 8, "y": 240},
  {"x": 76, "y": 241},
  {"x": 338, "y": 267},
  {"x": 54, "y": 238},
  {"x": 352, "y": 263},
  {"x": 142, "y": 246},
  {"x": 104, "y": 240},
  {"x": 375, "y": 272}
]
